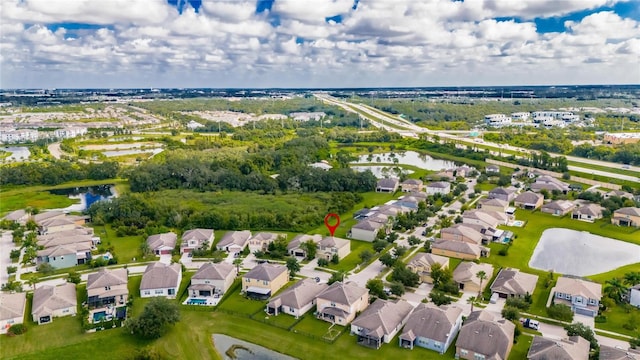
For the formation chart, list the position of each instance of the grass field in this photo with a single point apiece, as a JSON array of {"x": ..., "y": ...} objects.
[{"x": 126, "y": 248}]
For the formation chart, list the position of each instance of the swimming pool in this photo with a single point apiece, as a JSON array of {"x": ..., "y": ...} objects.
[
  {"x": 97, "y": 316},
  {"x": 197, "y": 302}
]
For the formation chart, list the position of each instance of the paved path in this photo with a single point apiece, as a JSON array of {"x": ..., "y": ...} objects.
[
  {"x": 54, "y": 150},
  {"x": 6, "y": 245}
]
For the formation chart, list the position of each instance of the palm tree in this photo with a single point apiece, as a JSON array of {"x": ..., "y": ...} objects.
[
  {"x": 481, "y": 275},
  {"x": 32, "y": 281},
  {"x": 632, "y": 278},
  {"x": 472, "y": 301},
  {"x": 237, "y": 263},
  {"x": 615, "y": 290}
]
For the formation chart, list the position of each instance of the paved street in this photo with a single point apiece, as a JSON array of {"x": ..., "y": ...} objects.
[{"x": 6, "y": 245}]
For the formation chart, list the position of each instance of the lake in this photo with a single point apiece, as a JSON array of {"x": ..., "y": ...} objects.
[
  {"x": 407, "y": 158},
  {"x": 243, "y": 350},
  {"x": 581, "y": 253},
  {"x": 383, "y": 171},
  {"x": 112, "y": 153},
  {"x": 17, "y": 153},
  {"x": 86, "y": 195}
]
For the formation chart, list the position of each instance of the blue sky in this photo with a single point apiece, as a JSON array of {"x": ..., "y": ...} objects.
[{"x": 317, "y": 43}]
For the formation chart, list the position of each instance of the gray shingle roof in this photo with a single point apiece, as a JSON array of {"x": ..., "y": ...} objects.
[
  {"x": 161, "y": 276},
  {"x": 439, "y": 185},
  {"x": 265, "y": 272},
  {"x": 431, "y": 322},
  {"x": 47, "y": 298},
  {"x": 106, "y": 278},
  {"x": 482, "y": 334},
  {"x": 197, "y": 234},
  {"x": 573, "y": 348},
  {"x": 239, "y": 238},
  {"x": 299, "y": 295},
  {"x": 383, "y": 316},
  {"x": 457, "y": 246},
  {"x": 387, "y": 183},
  {"x": 343, "y": 293},
  {"x": 513, "y": 281},
  {"x": 467, "y": 271},
  {"x": 210, "y": 271},
  {"x": 633, "y": 211},
  {"x": 166, "y": 239},
  {"x": 611, "y": 353},
  {"x": 528, "y": 197},
  {"x": 573, "y": 286},
  {"x": 12, "y": 305},
  {"x": 368, "y": 225}
]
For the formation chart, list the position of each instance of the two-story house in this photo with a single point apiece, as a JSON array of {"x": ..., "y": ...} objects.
[
  {"x": 380, "y": 322},
  {"x": 340, "y": 302},
  {"x": 438, "y": 187},
  {"x": 421, "y": 264},
  {"x": 432, "y": 327},
  {"x": 297, "y": 299},
  {"x": 107, "y": 287},
  {"x": 264, "y": 280},
  {"x": 412, "y": 185},
  {"x": 212, "y": 279},
  {"x": 331, "y": 246},
  {"x": 261, "y": 241},
  {"x": 160, "y": 279},
  {"x": 196, "y": 239},
  {"x": 581, "y": 295}
]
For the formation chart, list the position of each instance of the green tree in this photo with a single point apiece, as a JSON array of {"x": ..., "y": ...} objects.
[
  {"x": 510, "y": 313},
  {"x": 310, "y": 248},
  {"x": 388, "y": 260},
  {"x": 472, "y": 300},
  {"x": 379, "y": 245},
  {"x": 482, "y": 276},
  {"x": 399, "y": 251},
  {"x": 615, "y": 289},
  {"x": 397, "y": 288},
  {"x": 156, "y": 316},
  {"x": 413, "y": 240},
  {"x": 440, "y": 298},
  {"x": 293, "y": 266},
  {"x": 73, "y": 277},
  {"x": 376, "y": 288},
  {"x": 237, "y": 263},
  {"x": 405, "y": 276},
  {"x": 365, "y": 255},
  {"x": 560, "y": 312},
  {"x": 584, "y": 331},
  {"x": 632, "y": 278},
  {"x": 45, "y": 269},
  {"x": 336, "y": 276}
]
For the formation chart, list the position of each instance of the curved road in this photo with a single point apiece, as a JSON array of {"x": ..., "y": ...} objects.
[{"x": 54, "y": 150}]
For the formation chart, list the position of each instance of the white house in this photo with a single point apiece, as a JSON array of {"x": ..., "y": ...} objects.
[
  {"x": 162, "y": 244},
  {"x": 212, "y": 279},
  {"x": 634, "y": 296},
  {"x": 497, "y": 119},
  {"x": 366, "y": 230},
  {"x": 161, "y": 280},
  {"x": 196, "y": 239},
  {"x": 11, "y": 310},
  {"x": 234, "y": 241},
  {"x": 438, "y": 187},
  {"x": 53, "y": 301}
]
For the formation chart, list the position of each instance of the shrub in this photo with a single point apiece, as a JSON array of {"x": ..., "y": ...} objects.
[
  {"x": 17, "y": 329},
  {"x": 560, "y": 312},
  {"x": 518, "y": 303},
  {"x": 510, "y": 313},
  {"x": 440, "y": 298},
  {"x": 15, "y": 253},
  {"x": 600, "y": 319},
  {"x": 335, "y": 259},
  {"x": 323, "y": 262},
  {"x": 504, "y": 251},
  {"x": 11, "y": 269}
]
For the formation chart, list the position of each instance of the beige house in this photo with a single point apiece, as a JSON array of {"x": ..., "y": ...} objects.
[
  {"x": 212, "y": 279},
  {"x": 330, "y": 246},
  {"x": 261, "y": 241},
  {"x": 234, "y": 241},
  {"x": 572, "y": 348},
  {"x": 195, "y": 239},
  {"x": 295, "y": 247},
  {"x": 432, "y": 327},
  {"x": 12, "y": 308},
  {"x": 380, "y": 322},
  {"x": 558, "y": 207},
  {"x": 438, "y": 187},
  {"x": 264, "y": 280},
  {"x": 340, "y": 302},
  {"x": 296, "y": 300},
  {"x": 581, "y": 295},
  {"x": 484, "y": 218},
  {"x": 462, "y": 232},
  {"x": 484, "y": 337},
  {"x": 162, "y": 244},
  {"x": 459, "y": 249},
  {"x": 614, "y": 353},
  {"x": 588, "y": 212},
  {"x": 366, "y": 230},
  {"x": 513, "y": 283},
  {"x": 107, "y": 287},
  {"x": 160, "y": 279},
  {"x": 493, "y": 205},
  {"x": 421, "y": 264},
  {"x": 465, "y": 275},
  {"x": 412, "y": 185},
  {"x": 19, "y": 216},
  {"x": 626, "y": 216},
  {"x": 528, "y": 200},
  {"x": 53, "y": 301}
]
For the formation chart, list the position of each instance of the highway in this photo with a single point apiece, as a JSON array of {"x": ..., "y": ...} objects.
[{"x": 396, "y": 124}]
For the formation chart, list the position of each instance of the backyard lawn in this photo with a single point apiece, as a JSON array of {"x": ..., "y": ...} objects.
[{"x": 126, "y": 247}]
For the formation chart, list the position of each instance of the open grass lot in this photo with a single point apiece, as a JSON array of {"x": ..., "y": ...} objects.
[
  {"x": 521, "y": 348},
  {"x": 486, "y": 186},
  {"x": 126, "y": 247},
  {"x": 353, "y": 259},
  {"x": 617, "y": 317}
]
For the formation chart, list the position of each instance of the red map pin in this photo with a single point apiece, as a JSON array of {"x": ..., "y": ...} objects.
[{"x": 332, "y": 228}]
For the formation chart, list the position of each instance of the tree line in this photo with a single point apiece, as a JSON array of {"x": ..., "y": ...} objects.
[{"x": 56, "y": 172}]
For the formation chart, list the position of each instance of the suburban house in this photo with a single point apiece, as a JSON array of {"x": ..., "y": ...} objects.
[
  {"x": 366, "y": 230},
  {"x": 57, "y": 224},
  {"x": 294, "y": 246},
  {"x": 528, "y": 200},
  {"x": 261, "y": 241},
  {"x": 486, "y": 218},
  {"x": 160, "y": 279},
  {"x": 409, "y": 201},
  {"x": 296, "y": 300},
  {"x": 389, "y": 185},
  {"x": 421, "y": 264},
  {"x": 513, "y": 283},
  {"x": 340, "y": 302},
  {"x": 588, "y": 212},
  {"x": 558, "y": 207},
  {"x": 550, "y": 184},
  {"x": 432, "y": 327},
  {"x": 572, "y": 348},
  {"x": 234, "y": 241},
  {"x": 53, "y": 301},
  {"x": 380, "y": 322},
  {"x": 212, "y": 279},
  {"x": 438, "y": 187},
  {"x": 162, "y": 244},
  {"x": 330, "y": 246},
  {"x": 614, "y": 353},
  {"x": 459, "y": 249},
  {"x": 492, "y": 170},
  {"x": 497, "y": 205},
  {"x": 12, "y": 306},
  {"x": 626, "y": 216},
  {"x": 504, "y": 194},
  {"x": 412, "y": 185},
  {"x": 634, "y": 296},
  {"x": 107, "y": 287},
  {"x": 619, "y": 193},
  {"x": 196, "y": 239},
  {"x": 483, "y": 337},
  {"x": 462, "y": 232},
  {"x": 48, "y": 215},
  {"x": 581, "y": 295},
  {"x": 264, "y": 280},
  {"x": 19, "y": 216},
  {"x": 465, "y": 275},
  {"x": 64, "y": 256}
]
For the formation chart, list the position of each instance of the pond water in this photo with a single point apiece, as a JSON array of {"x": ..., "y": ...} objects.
[
  {"x": 17, "y": 153},
  {"x": 581, "y": 253},
  {"x": 407, "y": 158},
  {"x": 243, "y": 350},
  {"x": 112, "y": 153},
  {"x": 123, "y": 146},
  {"x": 383, "y": 171},
  {"x": 86, "y": 195}
]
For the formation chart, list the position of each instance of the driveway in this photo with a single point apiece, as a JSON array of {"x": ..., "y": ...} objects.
[
  {"x": 367, "y": 273},
  {"x": 6, "y": 245}
]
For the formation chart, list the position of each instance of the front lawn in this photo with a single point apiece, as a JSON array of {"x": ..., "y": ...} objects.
[
  {"x": 617, "y": 317},
  {"x": 353, "y": 259},
  {"x": 521, "y": 348}
]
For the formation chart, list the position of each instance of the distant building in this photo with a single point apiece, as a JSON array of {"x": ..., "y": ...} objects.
[
  {"x": 306, "y": 116},
  {"x": 497, "y": 119},
  {"x": 520, "y": 116},
  {"x": 9, "y": 136},
  {"x": 70, "y": 132},
  {"x": 621, "y": 138},
  {"x": 389, "y": 185}
]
